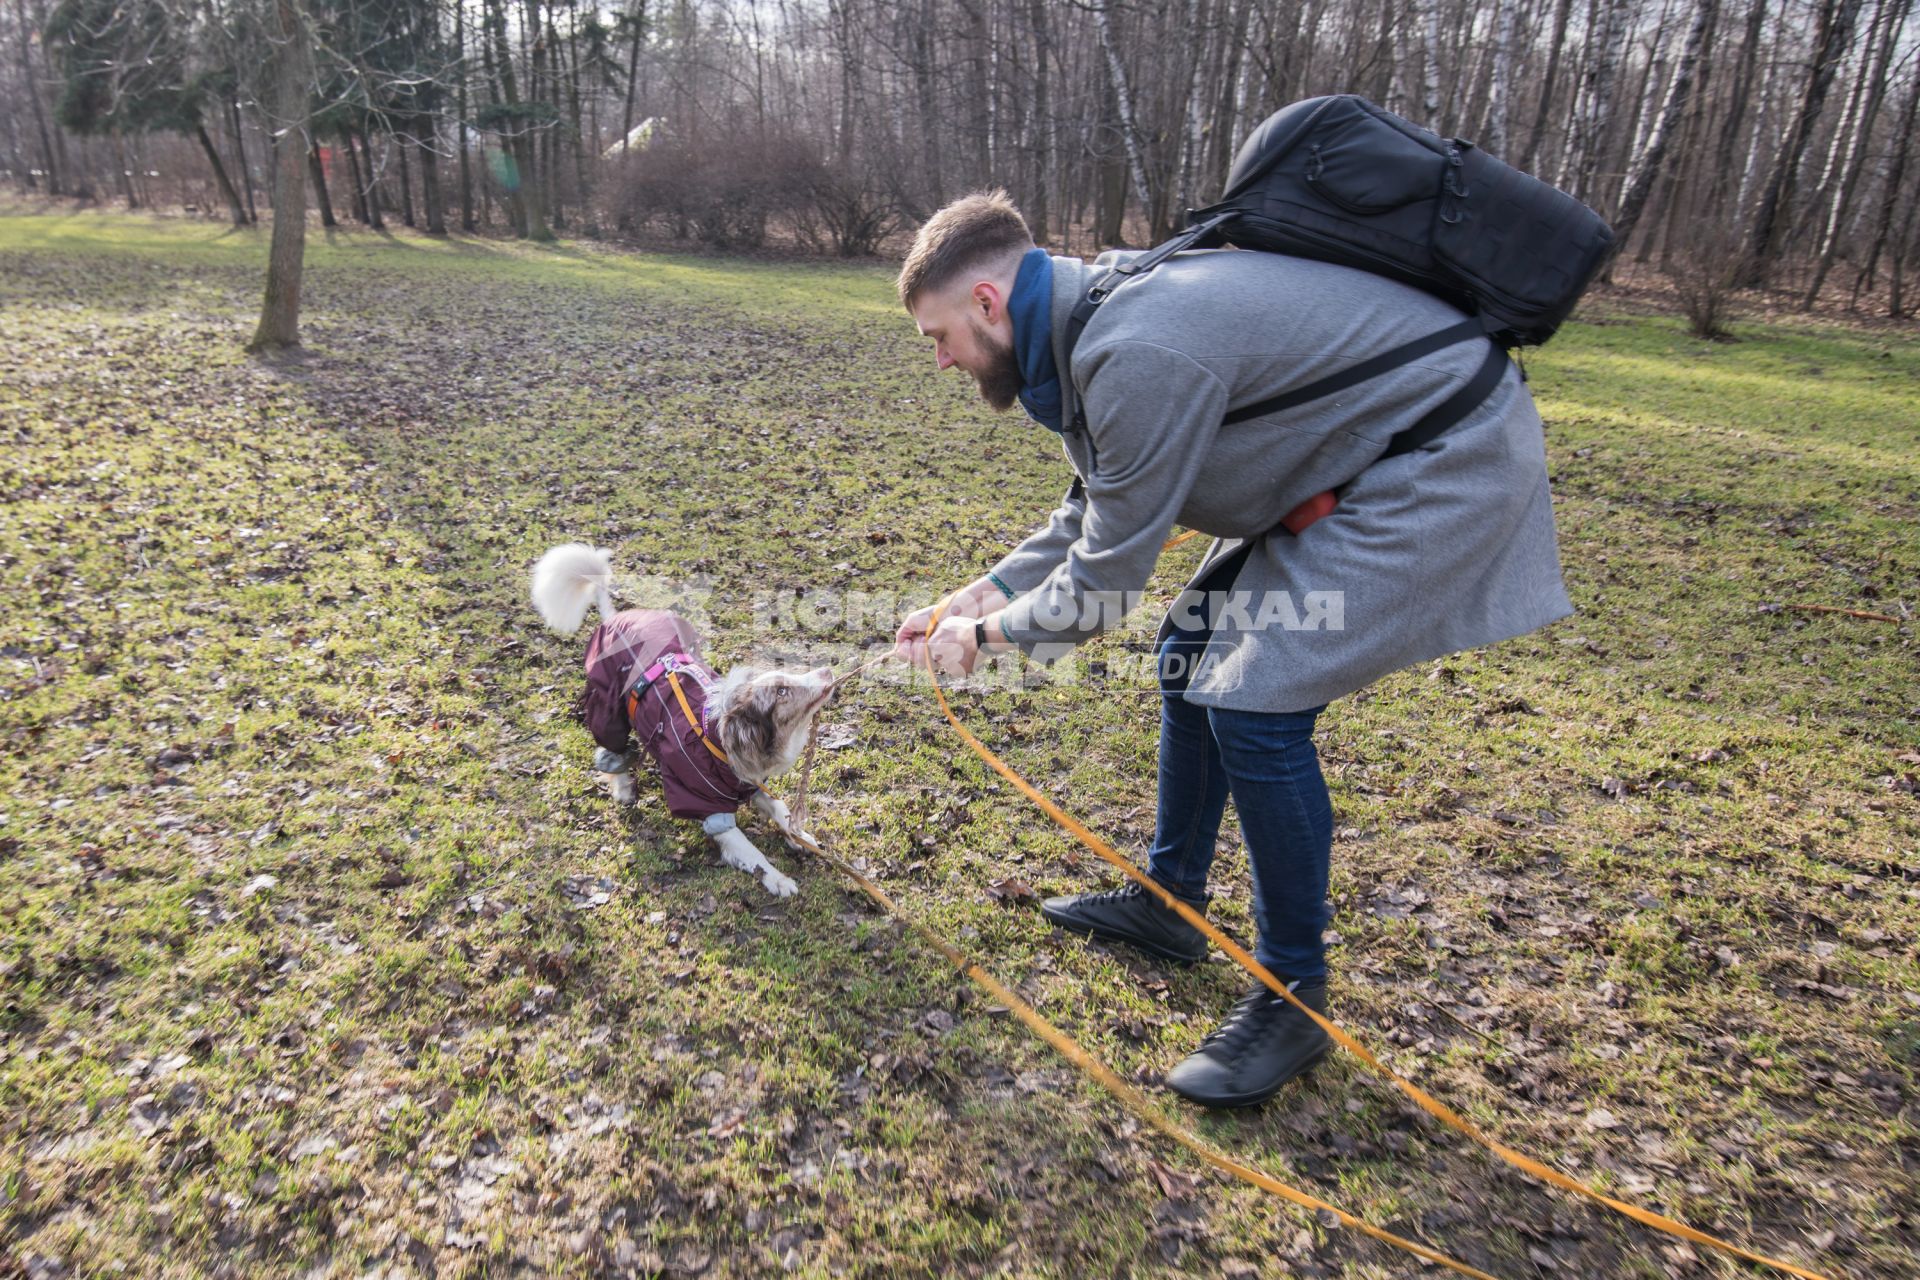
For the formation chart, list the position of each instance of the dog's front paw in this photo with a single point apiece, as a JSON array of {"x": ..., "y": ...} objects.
[{"x": 778, "y": 885}]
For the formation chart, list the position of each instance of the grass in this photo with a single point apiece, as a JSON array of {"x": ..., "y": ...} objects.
[{"x": 307, "y": 964}]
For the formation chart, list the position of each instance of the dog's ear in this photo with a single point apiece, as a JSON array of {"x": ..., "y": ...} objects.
[{"x": 747, "y": 730}]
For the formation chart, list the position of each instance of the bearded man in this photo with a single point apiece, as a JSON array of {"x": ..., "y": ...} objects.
[{"x": 1337, "y": 557}]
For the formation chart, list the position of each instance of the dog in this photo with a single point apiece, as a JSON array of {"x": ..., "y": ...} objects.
[{"x": 713, "y": 740}]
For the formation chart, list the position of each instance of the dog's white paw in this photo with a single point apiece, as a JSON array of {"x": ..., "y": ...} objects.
[
  {"x": 778, "y": 885},
  {"x": 797, "y": 840}
]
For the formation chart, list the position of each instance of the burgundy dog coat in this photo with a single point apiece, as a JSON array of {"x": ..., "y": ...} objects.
[{"x": 630, "y": 653}]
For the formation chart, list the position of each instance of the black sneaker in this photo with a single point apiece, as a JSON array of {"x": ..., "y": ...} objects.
[
  {"x": 1134, "y": 916},
  {"x": 1264, "y": 1043}
]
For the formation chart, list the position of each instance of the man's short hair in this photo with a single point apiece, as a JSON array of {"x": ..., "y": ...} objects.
[{"x": 975, "y": 231}]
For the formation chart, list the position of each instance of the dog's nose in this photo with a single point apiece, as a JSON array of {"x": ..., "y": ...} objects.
[{"x": 824, "y": 675}]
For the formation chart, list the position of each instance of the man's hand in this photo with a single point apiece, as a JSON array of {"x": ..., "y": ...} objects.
[
  {"x": 912, "y": 634},
  {"x": 951, "y": 646}
]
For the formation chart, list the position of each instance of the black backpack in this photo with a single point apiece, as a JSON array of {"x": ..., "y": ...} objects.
[{"x": 1343, "y": 181}]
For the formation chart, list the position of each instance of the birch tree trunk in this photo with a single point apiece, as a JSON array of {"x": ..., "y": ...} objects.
[
  {"x": 1646, "y": 166},
  {"x": 1857, "y": 143},
  {"x": 1598, "y": 94},
  {"x": 1892, "y": 187},
  {"x": 1429, "y": 19},
  {"x": 1226, "y": 106},
  {"x": 1498, "y": 113},
  {"x": 1742, "y": 95},
  {"x": 1532, "y": 153},
  {"x": 1833, "y": 33},
  {"x": 1123, "y": 98}
]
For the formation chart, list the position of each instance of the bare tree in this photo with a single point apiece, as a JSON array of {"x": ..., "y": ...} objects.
[
  {"x": 291, "y": 79},
  {"x": 1646, "y": 165},
  {"x": 1833, "y": 33},
  {"x": 1850, "y": 158},
  {"x": 1123, "y": 100}
]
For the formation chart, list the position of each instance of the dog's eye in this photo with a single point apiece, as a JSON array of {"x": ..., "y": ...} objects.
[{"x": 781, "y": 691}]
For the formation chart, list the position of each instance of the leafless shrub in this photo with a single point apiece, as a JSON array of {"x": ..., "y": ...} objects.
[
  {"x": 721, "y": 192},
  {"x": 1705, "y": 278}
]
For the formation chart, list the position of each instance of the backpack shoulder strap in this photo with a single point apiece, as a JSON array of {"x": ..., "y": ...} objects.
[
  {"x": 1355, "y": 374},
  {"x": 1117, "y": 275}
]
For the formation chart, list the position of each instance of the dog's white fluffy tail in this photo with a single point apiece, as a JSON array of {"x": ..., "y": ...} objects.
[{"x": 568, "y": 579}]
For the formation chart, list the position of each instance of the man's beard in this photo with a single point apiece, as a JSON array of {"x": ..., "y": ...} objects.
[{"x": 1000, "y": 381}]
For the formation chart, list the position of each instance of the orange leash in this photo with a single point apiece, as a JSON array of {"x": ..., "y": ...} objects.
[
  {"x": 1431, "y": 1105},
  {"x": 1129, "y": 1097}
]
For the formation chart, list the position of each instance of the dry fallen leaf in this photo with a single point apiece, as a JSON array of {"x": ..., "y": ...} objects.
[{"x": 1011, "y": 891}]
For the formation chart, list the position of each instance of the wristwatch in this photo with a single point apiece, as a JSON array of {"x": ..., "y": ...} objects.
[{"x": 980, "y": 635}]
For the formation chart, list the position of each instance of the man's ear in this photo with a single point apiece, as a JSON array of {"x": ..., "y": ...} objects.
[{"x": 988, "y": 302}]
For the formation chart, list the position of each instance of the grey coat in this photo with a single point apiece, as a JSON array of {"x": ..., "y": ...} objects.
[{"x": 1446, "y": 547}]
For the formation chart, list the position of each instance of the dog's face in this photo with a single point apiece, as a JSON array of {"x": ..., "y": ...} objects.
[{"x": 765, "y": 717}]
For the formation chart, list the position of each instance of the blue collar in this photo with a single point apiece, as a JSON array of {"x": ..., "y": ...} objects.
[{"x": 1030, "y": 307}]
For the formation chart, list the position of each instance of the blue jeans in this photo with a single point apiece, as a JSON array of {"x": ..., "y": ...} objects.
[{"x": 1266, "y": 761}]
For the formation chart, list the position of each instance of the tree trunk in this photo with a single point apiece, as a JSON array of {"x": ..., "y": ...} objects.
[
  {"x": 430, "y": 176},
  {"x": 1903, "y": 245},
  {"x": 1123, "y": 101},
  {"x": 1226, "y": 106},
  {"x": 370, "y": 188},
  {"x": 529, "y": 216},
  {"x": 291, "y": 77},
  {"x": 236, "y": 210},
  {"x": 577, "y": 141},
  {"x": 639, "y": 26},
  {"x": 1894, "y": 186},
  {"x": 123, "y": 166},
  {"x": 1646, "y": 167},
  {"x": 1428, "y": 14},
  {"x": 1043, "y": 123},
  {"x": 1110, "y": 202},
  {"x": 31, "y": 83},
  {"x": 1547, "y": 85},
  {"x": 1598, "y": 94},
  {"x": 1737, "y": 106},
  {"x": 1653, "y": 80},
  {"x": 460, "y": 125},
  {"x": 319, "y": 171},
  {"x": 1833, "y": 33},
  {"x": 1856, "y": 148},
  {"x": 353, "y": 176},
  {"x": 240, "y": 154},
  {"x": 406, "y": 183},
  {"x": 543, "y": 87},
  {"x": 1498, "y": 112}
]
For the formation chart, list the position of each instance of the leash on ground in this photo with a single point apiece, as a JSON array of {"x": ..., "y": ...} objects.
[
  {"x": 1426, "y": 1102},
  {"x": 1130, "y": 1097}
]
